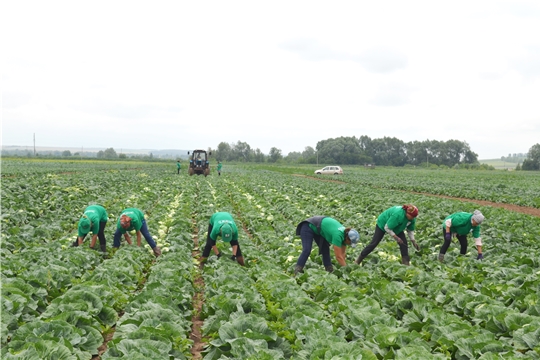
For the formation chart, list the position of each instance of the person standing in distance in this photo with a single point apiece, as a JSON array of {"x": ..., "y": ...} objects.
[
  {"x": 222, "y": 224},
  {"x": 394, "y": 221},
  {"x": 133, "y": 219},
  {"x": 219, "y": 165},
  {"x": 325, "y": 231},
  {"x": 94, "y": 220},
  {"x": 178, "y": 166},
  {"x": 460, "y": 224}
]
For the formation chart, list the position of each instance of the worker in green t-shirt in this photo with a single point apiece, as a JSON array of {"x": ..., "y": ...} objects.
[
  {"x": 178, "y": 166},
  {"x": 94, "y": 220},
  {"x": 222, "y": 224},
  {"x": 460, "y": 224},
  {"x": 133, "y": 219},
  {"x": 325, "y": 231},
  {"x": 394, "y": 221},
  {"x": 219, "y": 165}
]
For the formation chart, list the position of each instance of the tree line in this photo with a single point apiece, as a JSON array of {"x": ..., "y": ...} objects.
[
  {"x": 387, "y": 151},
  {"x": 533, "y": 159}
]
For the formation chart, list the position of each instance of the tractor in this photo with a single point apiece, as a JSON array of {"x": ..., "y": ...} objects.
[{"x": 198, "y": 163}]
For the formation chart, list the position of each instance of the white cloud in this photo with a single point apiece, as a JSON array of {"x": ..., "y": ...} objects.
[
  {"x": 383, "y": 60},
  {"x": 391, "y": 95}
]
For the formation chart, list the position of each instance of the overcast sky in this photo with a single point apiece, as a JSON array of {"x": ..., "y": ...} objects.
[{"x": 286, "y": 74}]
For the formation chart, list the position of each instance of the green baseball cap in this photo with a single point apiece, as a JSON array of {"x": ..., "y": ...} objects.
[
  {"x": 226, "y": 232},
  {"x": 84, "y": 224}
]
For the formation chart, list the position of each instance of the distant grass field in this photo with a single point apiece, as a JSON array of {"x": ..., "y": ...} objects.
[{"x": 499, "y": 164}]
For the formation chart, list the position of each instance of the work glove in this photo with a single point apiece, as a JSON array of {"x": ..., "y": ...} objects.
[
  {"x": 399, "y": 241},
  {"x": 415, "y": 245},
  {"x": 219, "y": 255},
  {"x": 233, "y": 257},
  {"x": 448, "y": 236},
  {"x": 479, "y": 257}
]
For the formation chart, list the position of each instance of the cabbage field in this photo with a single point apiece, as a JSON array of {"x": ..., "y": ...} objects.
[{"x": 63, "y": 302}]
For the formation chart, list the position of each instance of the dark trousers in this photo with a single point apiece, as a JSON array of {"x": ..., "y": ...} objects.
[
  {"x": 308, "y": 237},
  {"x": 376, "y": 239},
  {"x": 210, "y": 243},
  {"x": 462, "y": 241}
]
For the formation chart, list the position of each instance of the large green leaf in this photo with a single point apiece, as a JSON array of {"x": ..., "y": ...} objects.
[
  {"x": 138, "y": 349},
  {"x": 516, "y": 321},
  {"x": 248, "y": 326},
  {"x": 528, "y": 336},
  {"x": 43, "y": 350},
  {"x": 84, "y": 338}
]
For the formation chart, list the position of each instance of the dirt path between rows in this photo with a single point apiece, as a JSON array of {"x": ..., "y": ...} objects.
[{"x": 516, "y": 208}]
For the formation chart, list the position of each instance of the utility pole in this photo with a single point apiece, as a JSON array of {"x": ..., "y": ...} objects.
[{"x": 34, "y": 144}]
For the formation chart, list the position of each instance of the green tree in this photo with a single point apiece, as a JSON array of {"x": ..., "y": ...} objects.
[
  {"x": 258, "y": 156},
  {"x": 389, "y": 151},
  {"x": 110, "y": 154},
  {"x": 294, "y": 157},
  {"x": 223, "y": 152},
  {"x": 365, "y": 144},
  {"x": 309, "y": 155},
  {"x": 242, "y": 151},
  {"x": 66, "y": 153},
  {"x": 533, "y": 159},
  {"x": 342, "y": 150},
  {"x": 275, "y": 155},
  {"x": 454, "y": 150},
  {"x": 470, "y": 157},
  {"x": 417, "y": 152}
]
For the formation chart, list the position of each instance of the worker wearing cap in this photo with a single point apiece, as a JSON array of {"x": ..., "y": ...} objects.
[
  {"x": 219, "y": 166},
  {"x": 133, "y": 219},
  {"x": 394, "y": 221},
  {"x": 325, "y": 231},
  {"x": 459, "y": 224},
  {"x": 222, "y": 224},
  {"x": 94, "y": 220}
]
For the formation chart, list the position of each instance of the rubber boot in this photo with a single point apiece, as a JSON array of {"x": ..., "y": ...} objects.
[
  {"x": 298, "y": 269},
  {"x": 329, "y": 268},
  {"x": 202, "y": 260},
  {"x": 359, "y": 260},
  {"x": 405, "y": 260},
  {"x": 240, "y": 260},
  {"x": 103, "y": 248},
  {"x": 441, "y": 257},
  {"x": 157, "y": 251}
]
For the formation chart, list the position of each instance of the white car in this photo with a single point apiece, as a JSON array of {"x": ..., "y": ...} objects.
[{"x": 330, "y": 170}]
